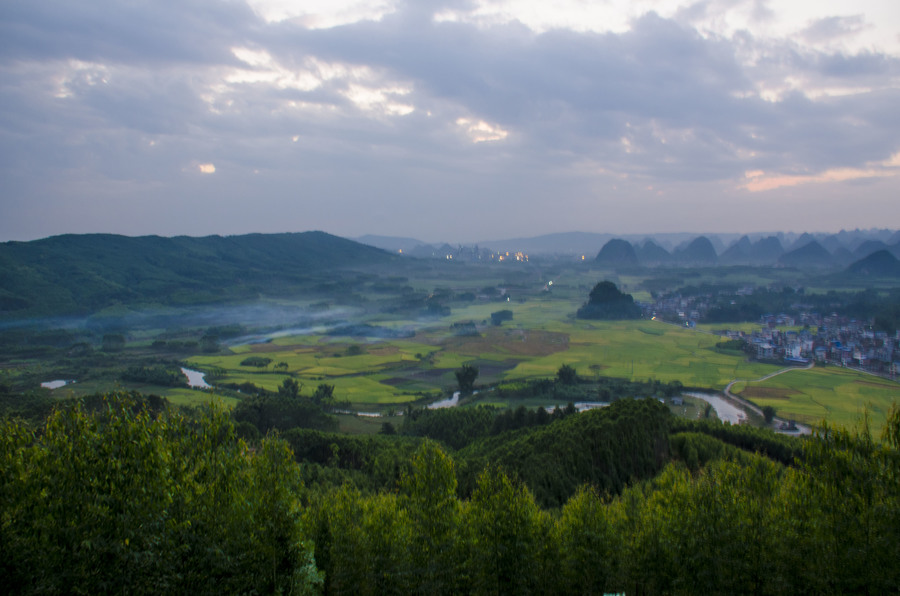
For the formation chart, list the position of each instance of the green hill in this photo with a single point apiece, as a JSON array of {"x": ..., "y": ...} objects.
[
  {"x": 617, "y": 253},
  {"x": 607, "y": 303},
  {"x": 80, "y": 274},
  {"x": 878, "y": 264}
]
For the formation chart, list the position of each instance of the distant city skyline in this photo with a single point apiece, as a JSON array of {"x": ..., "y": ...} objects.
[{"x": 448, "y": 120}]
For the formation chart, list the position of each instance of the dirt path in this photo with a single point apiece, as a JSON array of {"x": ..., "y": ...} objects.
[{"x": 776, "y": 422}]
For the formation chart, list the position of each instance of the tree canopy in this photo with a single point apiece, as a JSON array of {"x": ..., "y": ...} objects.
[{"x": 606, "y": 302}]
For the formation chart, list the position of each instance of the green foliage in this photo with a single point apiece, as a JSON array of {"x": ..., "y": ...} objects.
[
  {"x": 606, "y": 302},
  {"x": 781, "y": 448},
  {"x": 507, "y": 535},
  {"x": 454, "y": 427},
  {"x": 465, "y": 378},
  {"x": 289, "y": 389},
  {"x": 768, "y": 413},
  {"x": 567, "y": 375},
  {"x": 72, "y": 274},
  {"x": 376, "y": 461},
  {"x": 428, "y": 492},
  {"x": 257, "y": 361},
  {"x": 282, "y": 411},
  {"x": 731, "y": 346},
  {"x": 606, "y": 448},
  {"x": 113, "y": 342},
  {"x": 324, "y": 394},
  {"x": 497, "y": 318},
  {"x": 158, "y": 374},
  {"x": 120, "y": 501},
  {"x": 591, "y": 542}
]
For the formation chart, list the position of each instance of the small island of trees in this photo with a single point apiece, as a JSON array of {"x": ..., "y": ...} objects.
[{"x": 606, "y": 302}]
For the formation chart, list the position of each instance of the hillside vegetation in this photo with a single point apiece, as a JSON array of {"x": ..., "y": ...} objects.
[
  {"x": 128, "y": 496},
  {"x": 82, "y": 274}
]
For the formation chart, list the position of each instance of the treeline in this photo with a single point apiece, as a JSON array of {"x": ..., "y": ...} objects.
[
  {"x": 459, "y": 427},
  {"x": 605, "y": 448},
  {"x": 740, "y": 524},
  {"x": 156, "y": 374},
  {"x": 283, "y": 410},
  {"x": 119, "y": 500},
  {"x": 881, "y": 306},
  {"x": 127, "y": 496},
  {"x": 569, "y": 386}
]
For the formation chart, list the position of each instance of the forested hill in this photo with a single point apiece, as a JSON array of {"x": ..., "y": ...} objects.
[{"x": 79, "y": 274}]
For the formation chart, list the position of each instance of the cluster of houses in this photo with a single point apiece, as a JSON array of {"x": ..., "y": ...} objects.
[{"x": 831, "y": 339}]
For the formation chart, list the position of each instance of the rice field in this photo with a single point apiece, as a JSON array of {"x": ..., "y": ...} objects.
[
  {"x": 542, "y": 336},
  {"x": 837, "y": 395}
]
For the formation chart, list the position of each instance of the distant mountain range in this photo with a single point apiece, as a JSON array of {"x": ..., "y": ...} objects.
[
  {"x": 730, "y": 249},
  {"x": 81, "y": 274}
]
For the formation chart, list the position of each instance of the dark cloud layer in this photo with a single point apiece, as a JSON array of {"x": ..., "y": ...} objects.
[{"x": 130, "y": 116}]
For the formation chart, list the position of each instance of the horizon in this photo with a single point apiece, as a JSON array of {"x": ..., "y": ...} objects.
[
  {"x": 668, "y": 240},
  {"x": 462, "y": 119}
]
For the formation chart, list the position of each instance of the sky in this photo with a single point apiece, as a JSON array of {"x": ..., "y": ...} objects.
[{"x": 448, "y": 120}]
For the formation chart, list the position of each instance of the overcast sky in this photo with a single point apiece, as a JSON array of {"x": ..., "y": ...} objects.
[{"x": 448, "y": 120}]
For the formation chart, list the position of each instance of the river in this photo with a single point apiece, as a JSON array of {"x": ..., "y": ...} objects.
[
  {"x": 725, "y": 410},
  {"x": 450, "y": 402},
  {"x": 55, "y": 384}
]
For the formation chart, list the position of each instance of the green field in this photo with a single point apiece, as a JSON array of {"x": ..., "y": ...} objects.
[
  {"x": 834, "y": 394},
  {"x": 542, "y": 336}
]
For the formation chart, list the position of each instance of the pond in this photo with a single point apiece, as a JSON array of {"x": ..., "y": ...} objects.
[
  {"x": 195, "y": 378},
  {"x": 55, "y": 384}
]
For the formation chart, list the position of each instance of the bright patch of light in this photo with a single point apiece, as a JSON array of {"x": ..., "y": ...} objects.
[
  {"x": 265, "y": 69},
  {"x": 206, "y": 168},
  {"x": 480, "y": 131},
  {"x": 870, "y": 24},
  {"x": 369, "y": 99},
  {"x": 759, "y": 181},
  {"x": 79, "y": 73},
  {"x": 322, "y": 14}
]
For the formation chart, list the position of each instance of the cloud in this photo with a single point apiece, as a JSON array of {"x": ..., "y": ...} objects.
[
  {"x": 206, "y": 168},
  {"x": 835, "y": 27},
  {"x": 480, "y": 131},
  {"x": 383, "y": 102}
]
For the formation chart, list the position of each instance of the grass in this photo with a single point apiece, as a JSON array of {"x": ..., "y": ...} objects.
[
  {"x": 837, "y": 395},
  {"x": 543, "y": 336}
]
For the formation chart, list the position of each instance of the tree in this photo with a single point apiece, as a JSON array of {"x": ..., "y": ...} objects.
[
  {"x": 290, "y": 388},
  {"x": 465, "y": 377},
  {"x": 113, "y": 342},
  {"x": 566, "y": 375},
  {"x": 507, "y": 533},
  {"x": 209, "y": 343},
  {"x": 608, "y": 303},
  {"x": 429, "y": 494},
  {"x": 324, "y": 394},
  {"x": 121, "y": 501},
  {"x": 768, "y": 413},
  {"x": 498, "y": 317}
]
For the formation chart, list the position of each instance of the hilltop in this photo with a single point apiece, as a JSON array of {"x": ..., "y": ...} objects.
[{"x": 78, "y": 274}]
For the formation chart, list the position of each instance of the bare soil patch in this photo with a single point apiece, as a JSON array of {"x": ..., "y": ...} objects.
[
  {"x": 516, "y": 342},
  {"x": 767, "y": 393}
]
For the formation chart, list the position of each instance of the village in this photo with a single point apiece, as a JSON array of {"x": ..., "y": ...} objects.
[{"x": 797, "y": 339}]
